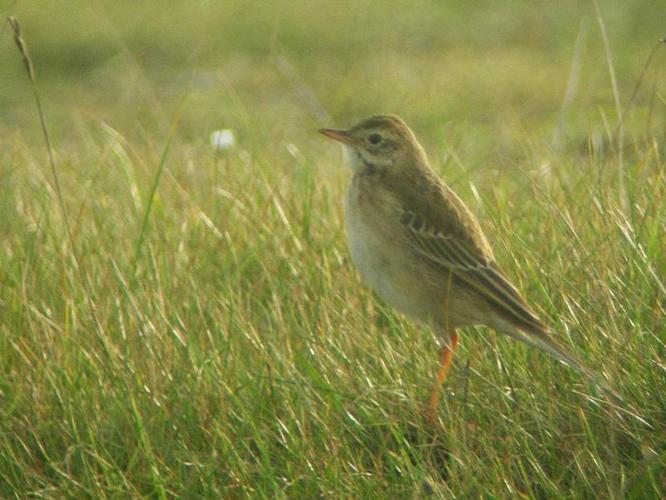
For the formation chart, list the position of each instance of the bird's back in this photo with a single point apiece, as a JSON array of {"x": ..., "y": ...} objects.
[
  {"x": 433, "y": 203},
  {"x": 448, "y": 238}
]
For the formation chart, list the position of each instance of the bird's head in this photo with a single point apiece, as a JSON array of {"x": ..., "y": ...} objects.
[{"x": 382, "y": 142}]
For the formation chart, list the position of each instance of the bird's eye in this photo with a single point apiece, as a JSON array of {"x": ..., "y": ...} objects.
[{"x": 375, "y": 138}]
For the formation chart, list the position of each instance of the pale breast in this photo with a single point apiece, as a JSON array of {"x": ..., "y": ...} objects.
[{"x": 378, "y": 252}]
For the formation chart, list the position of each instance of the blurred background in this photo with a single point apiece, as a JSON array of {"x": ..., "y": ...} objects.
[{"x": 503, "y": 71}]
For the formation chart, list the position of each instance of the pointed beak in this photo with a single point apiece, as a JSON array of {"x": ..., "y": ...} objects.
[{"x": 339, "y": 135}]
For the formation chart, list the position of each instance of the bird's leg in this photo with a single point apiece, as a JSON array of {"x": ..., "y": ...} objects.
[{"x": 445, "y": 356}]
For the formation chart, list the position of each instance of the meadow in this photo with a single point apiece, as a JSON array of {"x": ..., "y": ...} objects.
[{"x": 177, "y": 321}]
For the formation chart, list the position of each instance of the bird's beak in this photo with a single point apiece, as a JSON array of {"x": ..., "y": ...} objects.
[{"x": 339, "y": 135}]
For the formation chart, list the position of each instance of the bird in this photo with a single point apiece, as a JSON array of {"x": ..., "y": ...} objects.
[{"x": 422, "y": 250}]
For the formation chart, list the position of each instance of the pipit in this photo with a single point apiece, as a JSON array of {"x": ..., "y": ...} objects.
[{"x": 422, "y": 250}]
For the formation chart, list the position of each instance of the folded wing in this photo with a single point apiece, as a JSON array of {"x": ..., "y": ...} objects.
[{"x": 451, "y": 252}]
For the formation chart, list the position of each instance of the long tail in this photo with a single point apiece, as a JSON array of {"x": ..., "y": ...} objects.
[{"x": 541, "y": 339}]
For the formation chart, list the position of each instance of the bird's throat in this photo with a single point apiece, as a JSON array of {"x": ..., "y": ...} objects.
[{"x": 359, "y": 165}]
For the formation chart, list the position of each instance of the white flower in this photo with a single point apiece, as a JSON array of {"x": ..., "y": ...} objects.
[{"x": 222, "y": 139}]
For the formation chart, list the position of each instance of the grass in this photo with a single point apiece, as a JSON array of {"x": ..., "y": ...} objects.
[{"x": 203, "y": 332}]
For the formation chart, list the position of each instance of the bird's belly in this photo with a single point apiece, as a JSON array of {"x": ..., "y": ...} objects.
[{"x": 389, "y": 272}]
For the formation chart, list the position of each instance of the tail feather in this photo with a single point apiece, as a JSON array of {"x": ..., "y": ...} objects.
[{"x": 541, "y": 339}]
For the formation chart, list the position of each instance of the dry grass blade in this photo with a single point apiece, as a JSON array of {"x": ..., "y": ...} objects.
[
  {"x": 572, "y": 84},
  {"x": 647, "y": 64},
  {"x": 27, "y": 64},
  {"x": 20, "y": 43},
  {"x": 619, "y": 143}
]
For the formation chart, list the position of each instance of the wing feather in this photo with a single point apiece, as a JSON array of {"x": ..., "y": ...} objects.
[{"x": 450, "y": 252}]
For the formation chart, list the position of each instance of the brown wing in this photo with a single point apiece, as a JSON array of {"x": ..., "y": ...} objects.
[{"x": 443, "y": 231}]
